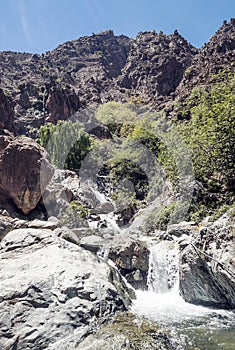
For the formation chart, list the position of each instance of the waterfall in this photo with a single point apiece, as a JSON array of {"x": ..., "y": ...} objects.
[
  {"x": 163, "y": 304},
  {"x": 163, "y": 267}
]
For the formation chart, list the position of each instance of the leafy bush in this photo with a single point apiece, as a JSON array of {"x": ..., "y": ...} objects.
[
  {"x": 169, "y": 214},
  {"x": 115, "y": 114}
]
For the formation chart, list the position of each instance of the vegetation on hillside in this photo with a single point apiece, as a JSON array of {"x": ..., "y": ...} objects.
[
  {"x": 210, "y": 132},
  {"x": 146, "y": 149}
]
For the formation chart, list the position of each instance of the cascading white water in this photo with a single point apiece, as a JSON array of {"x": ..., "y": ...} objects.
[
  {"x": 101, "y": 220},
  {"x": 191, "y": 324},
  {"x": 163, "y": 267}
]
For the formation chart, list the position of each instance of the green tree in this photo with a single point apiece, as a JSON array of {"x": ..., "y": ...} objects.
[
  {"x": 66, "y": 142},
  {"x": 210, "y": 132}
]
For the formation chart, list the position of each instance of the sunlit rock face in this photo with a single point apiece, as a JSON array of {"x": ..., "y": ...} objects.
[
  {"x": 53, "y": 292},
  {"x": 25, "y": 171},
  {"x": 207, "y": 265}
]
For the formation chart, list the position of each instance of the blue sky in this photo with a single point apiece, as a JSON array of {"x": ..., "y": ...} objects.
[{"x": 41, "y": 25}]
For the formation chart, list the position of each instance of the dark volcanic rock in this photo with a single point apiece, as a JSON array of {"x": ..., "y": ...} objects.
[
  {"x": 92, "y": 70},
  {"x": 25, "y": 171},
  {"x": 153, "y": 69},
  {"x": 156, "y": 64},
  {"x": 61, "y": 104}
]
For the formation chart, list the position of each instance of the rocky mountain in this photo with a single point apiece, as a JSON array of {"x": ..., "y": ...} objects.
[
  {"x": 152, "y": 69},
  {"x": 83, "y": 227},
  {"x": 215, "y": 56}
]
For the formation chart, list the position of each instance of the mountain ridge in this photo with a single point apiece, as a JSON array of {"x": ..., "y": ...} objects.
[{"x": 153, "y": 69}]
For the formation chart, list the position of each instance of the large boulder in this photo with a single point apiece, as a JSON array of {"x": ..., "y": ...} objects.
[
  {"x": 207, "y": 265},
  {"x": 131, "y": 256},
  {"x": 53, "y": 292},
  {"x": 61, "y": 190},
  {"x": 25, "y": 171}
]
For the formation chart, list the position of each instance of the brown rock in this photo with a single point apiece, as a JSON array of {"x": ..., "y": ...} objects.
[
  {"x": 156, "y": 63},
  {"x": 214, "y": 57},
  {"x": 5, "y": 138},
  {"x": 6, "y": 112},
  {"x": 61, "y": 104},
  {"x": 25, "y": 171}
]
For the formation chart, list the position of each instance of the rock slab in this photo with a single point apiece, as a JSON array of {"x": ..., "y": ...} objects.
[
  {"x": 207, "y": 265},
  {"x": 53, "y": 292}
]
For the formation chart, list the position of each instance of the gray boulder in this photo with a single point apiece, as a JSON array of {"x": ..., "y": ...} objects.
[
  {"x": 53, "y": 292},
  {"x": 93, "y": 243},
  {"x": 183, "y": 228},
  {"x": 207, "y": 265},
  {"x": 131, "y": 256},
  {"x": 5, "y": 227}
]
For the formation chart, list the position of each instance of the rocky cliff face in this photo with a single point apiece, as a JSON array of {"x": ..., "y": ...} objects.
[
  {"x": 153, "y": 69},
  {"x": 56, "y": 84},
  {"x": 156, "y": 64},
  {"x": 207, "y": 265},
  {"x": 6, "y": 112},
  {"x": 216, "y": 55}
]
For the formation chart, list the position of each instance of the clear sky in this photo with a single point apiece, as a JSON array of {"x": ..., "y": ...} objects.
[{"x": 41, "y": 25}]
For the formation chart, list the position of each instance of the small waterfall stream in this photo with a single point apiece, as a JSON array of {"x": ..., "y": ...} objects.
[
  {"x": 163, "y": 267},
  {"x": 194, "y": 327}
]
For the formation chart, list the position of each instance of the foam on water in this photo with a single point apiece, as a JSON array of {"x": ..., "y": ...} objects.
[{"x": 192, "y": 325}]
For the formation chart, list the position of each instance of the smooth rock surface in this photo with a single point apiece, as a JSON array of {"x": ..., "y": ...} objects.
[
  {"x": 53, "y": 292},
  {"x": 93, "y": 243}
]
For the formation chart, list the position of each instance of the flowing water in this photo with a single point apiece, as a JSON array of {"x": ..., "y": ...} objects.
[{"x": 194, "y": 327}]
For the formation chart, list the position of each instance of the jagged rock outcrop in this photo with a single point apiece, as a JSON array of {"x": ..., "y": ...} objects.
[
  {"x": 153, "y": 69},
  {"x": 53, "y": 292},
  {"x": 207, "y": 265},
  {"x": 61, "y": 104},
  {"x": 25, "y": 171},
  {"x": 156, "y": 64},
  {"x": 214, "y": 57},
  {"x": 56, "y": 84}
]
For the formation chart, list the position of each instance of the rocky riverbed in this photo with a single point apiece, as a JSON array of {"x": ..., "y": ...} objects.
[{"x": 58, "y": 284}]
